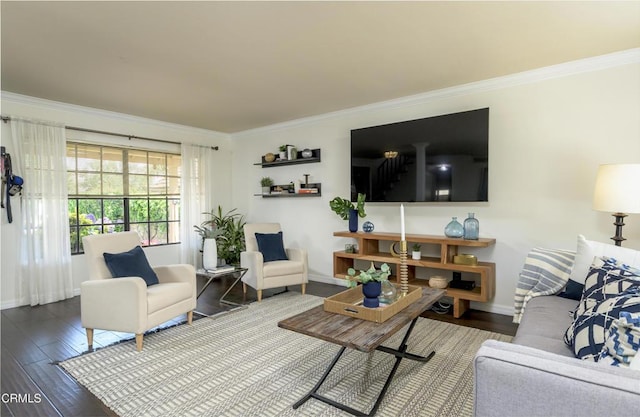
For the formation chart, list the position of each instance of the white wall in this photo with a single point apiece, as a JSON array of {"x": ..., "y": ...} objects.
[
  {"x": 28, "y": 107},
  {"x": 549, "y": 130}
]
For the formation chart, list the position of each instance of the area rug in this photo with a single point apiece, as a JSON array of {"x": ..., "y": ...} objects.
[{"x": 242, "y": 364}]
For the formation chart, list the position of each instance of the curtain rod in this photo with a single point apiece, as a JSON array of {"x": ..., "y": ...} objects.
[{"x": 81, "y": 129}]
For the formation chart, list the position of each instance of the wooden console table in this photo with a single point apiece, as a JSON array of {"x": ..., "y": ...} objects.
[{"x": 369, "y": 250}]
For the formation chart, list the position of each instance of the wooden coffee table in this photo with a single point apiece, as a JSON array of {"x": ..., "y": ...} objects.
[{"x": 362, "y": 335}]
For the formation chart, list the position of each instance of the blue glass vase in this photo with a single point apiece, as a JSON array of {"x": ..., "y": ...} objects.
[
  {"x": 454, "y": 228},
  {"x": 471, "y": 227},
  {"x": 353, "y": 220}
]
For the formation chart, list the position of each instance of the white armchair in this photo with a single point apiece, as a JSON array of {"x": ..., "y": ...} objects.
[
  {"x": 280, "y": 273},
  {"x": 126, "y": 304}
]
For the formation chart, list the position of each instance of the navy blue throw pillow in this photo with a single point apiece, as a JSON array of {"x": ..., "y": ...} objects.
[
  {"x": 573, "y": 290},
  {"x": 131, "y": 264},
  {"x": 271, "y": 246}
]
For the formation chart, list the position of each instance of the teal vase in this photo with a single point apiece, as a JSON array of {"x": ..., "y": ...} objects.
[
  {"x": 454, "y": 228},
  {"x": 471, "y": 227}
]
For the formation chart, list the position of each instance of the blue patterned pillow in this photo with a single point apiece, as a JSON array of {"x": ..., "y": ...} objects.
[
  {"x": 610, "y": 288},
  {"x": 623, "y": 342}
]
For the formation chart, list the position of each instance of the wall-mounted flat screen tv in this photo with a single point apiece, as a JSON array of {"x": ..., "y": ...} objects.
[{"x": 440, "y": 158}]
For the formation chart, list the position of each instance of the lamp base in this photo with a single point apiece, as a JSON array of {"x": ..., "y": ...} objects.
[{"x": 618, "y": 239}]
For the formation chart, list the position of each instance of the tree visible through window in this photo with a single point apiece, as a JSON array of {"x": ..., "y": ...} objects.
[{"x": 115, "y": 189}]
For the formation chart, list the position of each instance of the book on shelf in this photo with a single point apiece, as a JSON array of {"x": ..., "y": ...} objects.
[
  {"x": 218, "y": 270},
  {"x": 308, "y": 191}
]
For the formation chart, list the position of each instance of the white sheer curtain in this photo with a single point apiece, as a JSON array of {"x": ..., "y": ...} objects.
[
  {"x": 39, "y": 157},
  {"x": 197, "y": 180}
]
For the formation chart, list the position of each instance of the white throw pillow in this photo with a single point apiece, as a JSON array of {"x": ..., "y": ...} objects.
[{"x": 588, "y": 249}]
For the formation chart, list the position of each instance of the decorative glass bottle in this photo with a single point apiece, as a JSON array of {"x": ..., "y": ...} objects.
[
  {"x": 388, "y": 292},
  {"x": 454, "y": 228},
  {"x": 471, "y": 227}
]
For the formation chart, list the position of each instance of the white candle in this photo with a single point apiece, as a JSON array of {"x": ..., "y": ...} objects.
[{"x": 402, "y": 237}]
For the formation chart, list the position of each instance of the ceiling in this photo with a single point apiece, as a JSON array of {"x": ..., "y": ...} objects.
[{"x": 234, "y": 66}]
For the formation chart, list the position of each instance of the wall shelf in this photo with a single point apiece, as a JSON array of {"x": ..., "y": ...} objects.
[
  {"x": 286, "y": 194},
  {"x": 369, "y": 250},
  {"x": 300, "y": 160}
]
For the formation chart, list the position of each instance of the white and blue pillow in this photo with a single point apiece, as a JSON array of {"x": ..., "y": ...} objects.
[
  {"x": 585, "y": 252},
  {"x": 611, "y": 288},
  {"x": 623, "y": 342}
]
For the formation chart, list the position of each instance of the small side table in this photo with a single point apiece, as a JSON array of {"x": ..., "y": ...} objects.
[{"x": 238, "y": 272}]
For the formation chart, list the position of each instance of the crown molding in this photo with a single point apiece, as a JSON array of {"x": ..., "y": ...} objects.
[
  {"x": 601, "y": 62},
  {"x": 10, "y": 97}
]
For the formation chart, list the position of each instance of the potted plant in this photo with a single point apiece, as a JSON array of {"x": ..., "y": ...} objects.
[
  {"x": 283, "y": 152},
  {"x": 371, "y": 280},
  {"x": 230, "y": 240},
  {"x": 346, "y": 210},
  {"x": 266, "y": 183},
  {"x": 415, "y": 251}
]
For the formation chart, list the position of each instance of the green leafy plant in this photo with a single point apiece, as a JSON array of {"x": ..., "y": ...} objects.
[
  {"x": 266, "y": 182},
  {"x": 416, "y": 247},
  {"x": 342, "y": 206},
  {"x": 230, "y": 229},
  {"x": 282, "y": 148},
  {"x": 371, "y": 274}
]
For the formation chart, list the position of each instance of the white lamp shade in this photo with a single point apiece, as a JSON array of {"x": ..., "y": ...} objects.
[{"x": 617, "y": 188}]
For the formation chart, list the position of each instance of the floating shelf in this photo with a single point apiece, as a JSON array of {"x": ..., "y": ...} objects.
[
  {"x": 286, "y": 194},
  {"x": 315, "y": 157}
]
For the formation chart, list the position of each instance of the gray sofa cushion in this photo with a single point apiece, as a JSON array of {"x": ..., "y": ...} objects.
[{"x": 544, "y": 323}]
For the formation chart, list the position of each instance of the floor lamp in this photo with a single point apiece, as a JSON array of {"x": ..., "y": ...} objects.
[{"x": 617, "y": 191}]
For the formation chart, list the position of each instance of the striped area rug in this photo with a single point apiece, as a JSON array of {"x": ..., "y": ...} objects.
[{"x": 242, "y": 364}]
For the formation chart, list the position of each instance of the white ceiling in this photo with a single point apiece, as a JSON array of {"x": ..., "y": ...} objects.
[{"x": 233, "y": 66}]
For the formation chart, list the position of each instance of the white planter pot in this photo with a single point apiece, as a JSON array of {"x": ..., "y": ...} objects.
[
  {"x": 416, "y": 254},
  {"x": 209, "y": 254},
  {"x": 266, "y": 190}
]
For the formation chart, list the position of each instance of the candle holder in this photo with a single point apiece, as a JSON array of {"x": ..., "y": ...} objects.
[{"x": 404, "y": 272}]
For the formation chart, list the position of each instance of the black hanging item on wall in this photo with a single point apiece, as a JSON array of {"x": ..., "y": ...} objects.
[{"x": 11, "y": 184}]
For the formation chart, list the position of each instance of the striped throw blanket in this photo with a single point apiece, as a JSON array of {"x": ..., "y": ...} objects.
[{"x": 545, "y": 272}]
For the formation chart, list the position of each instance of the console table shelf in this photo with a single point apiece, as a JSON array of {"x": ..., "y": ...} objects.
[{"x": 369, "y": 250}]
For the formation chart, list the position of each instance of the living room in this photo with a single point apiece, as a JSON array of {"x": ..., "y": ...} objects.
[{"x": 550, "y": 128}]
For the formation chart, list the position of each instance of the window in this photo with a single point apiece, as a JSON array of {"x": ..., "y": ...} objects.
[{"x": 114, "y": 189}]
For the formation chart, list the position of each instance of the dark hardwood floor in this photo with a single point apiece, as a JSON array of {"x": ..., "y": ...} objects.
[{"x": 35, "y": 338}]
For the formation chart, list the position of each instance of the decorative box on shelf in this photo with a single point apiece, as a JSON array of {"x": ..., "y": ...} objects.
[{"x": 349, "y": 303}]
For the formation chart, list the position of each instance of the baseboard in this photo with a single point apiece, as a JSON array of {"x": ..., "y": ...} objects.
[
  {"x": 327, "y": 280},
  {"x": 493, "y": 308},
  {"x": 4, "y": 305}
]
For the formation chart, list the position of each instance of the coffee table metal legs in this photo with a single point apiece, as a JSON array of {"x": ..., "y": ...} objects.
[{"x": 399, "y": 353}]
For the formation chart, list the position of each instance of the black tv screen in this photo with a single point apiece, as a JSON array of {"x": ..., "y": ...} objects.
[{"x": 440, "y": 158}]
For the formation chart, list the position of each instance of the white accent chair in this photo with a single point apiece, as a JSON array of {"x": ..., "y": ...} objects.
[
  {"x": 264, "y": 275},
  {"x": 127, "y": 304}
]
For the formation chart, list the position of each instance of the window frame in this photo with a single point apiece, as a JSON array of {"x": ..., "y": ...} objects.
[{"x": 169, "y": 221}]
